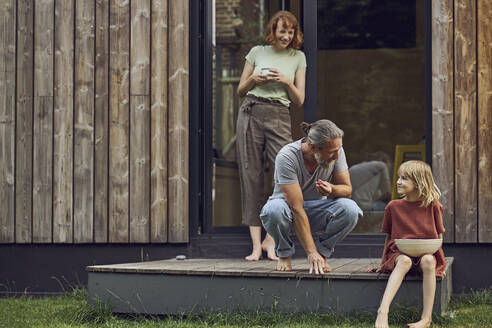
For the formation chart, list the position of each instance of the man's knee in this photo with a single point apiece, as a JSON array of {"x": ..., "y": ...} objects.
[
  {"x": 276, "y": 213},
  {"x": 351, "y": 211}
]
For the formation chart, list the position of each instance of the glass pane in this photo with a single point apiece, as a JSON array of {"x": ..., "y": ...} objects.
[
  {"x": 371, "y": 82},
  {"x": 238, "y": 26}
]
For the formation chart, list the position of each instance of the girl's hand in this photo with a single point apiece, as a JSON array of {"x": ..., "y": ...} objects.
[
  {"x": 373, "y": 269},
  {"x": 277, "y": 76},
  {"x": 260, "y": 78}
]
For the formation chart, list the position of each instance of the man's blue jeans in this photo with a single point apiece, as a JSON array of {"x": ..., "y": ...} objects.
[{"x": 330, "y": 220}]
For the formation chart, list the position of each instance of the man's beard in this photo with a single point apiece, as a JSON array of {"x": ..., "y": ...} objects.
[{"x": 323, "y": 163}]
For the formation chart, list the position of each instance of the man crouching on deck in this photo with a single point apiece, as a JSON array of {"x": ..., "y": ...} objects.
[{"x": 306, "y": 171}]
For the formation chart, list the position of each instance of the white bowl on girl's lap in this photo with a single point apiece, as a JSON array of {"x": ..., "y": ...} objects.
[{"x": 418, "y": 247}]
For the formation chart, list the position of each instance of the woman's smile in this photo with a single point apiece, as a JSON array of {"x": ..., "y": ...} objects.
[{"x": 284, "y": 34}]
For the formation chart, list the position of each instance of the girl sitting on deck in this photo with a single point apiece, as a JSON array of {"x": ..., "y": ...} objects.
[{"x": 418, "y": 215}]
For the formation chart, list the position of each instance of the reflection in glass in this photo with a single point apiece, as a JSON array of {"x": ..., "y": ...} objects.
[
  {"x": 239, "y": 25},
  {"x": 371, "y": 78},
  {"x": 371, "y": 182}
]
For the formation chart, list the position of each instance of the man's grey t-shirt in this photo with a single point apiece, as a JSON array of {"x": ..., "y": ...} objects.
[{"x": 290, "y": 169}]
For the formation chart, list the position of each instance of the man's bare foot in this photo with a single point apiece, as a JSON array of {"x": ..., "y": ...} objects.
[
  {"x": 268, "y": 245},
  {"x": 284, "y": 264},
  {"x": 423, "y": 323},
  {"x": 326, "y": 267},
  {"x": 254, "y": 256},
  {"x": 381, "y": 320}
]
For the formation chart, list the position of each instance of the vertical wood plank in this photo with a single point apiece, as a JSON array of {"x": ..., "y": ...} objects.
[
  {"x": 158, "y": 214},
  {"x": 140, "y": 48},
  {"x": 465, "y": 104},
  {"x": 140, "y": 170},
  {"x": 442, "y": 108},
  {"x": 83, "y": 160},
  {"x": 42, "y": 169},
  {"x": 140, "y": 122},
  {"x": 178, "y": 121},
  {"x": 485, "y": 120},
  {"x": 43, "y": 121},
  {"x": 63, "y": 127},
  {"x": 7, "y": 120},
  {"x": 24, "y": 117},
  {"x": 101, "y": 123},
  {"x": 119, "y": 122}
]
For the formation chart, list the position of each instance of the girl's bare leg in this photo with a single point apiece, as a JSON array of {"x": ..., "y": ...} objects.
[
  {"x": 428, "y": 266},
  {"x": 268, "y": 245},
  {"x": 402, "y": 266},
  {"x": 255, "y": 232}
]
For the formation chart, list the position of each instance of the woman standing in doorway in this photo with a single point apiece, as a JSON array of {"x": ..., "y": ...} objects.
[{"x": 273, "y": 80}]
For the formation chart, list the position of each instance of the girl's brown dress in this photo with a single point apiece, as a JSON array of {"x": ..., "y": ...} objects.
[{"x": 409, "y": 220}]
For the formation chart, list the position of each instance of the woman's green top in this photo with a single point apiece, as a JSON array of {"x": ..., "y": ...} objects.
[{"x": 288, "y": 62}]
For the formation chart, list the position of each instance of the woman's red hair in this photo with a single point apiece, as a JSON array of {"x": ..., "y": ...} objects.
[{"x": 287, "y": 19}]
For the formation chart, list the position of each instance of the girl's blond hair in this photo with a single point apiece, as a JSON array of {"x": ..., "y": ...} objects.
[{"x": 421, "y": 175}]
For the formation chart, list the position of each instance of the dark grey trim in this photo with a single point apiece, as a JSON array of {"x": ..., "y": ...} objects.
[
  {"x": 207, "y": 83},
  {"x": 200, "y": 201},
  {"x": 310, "y": 29},
  {"x": 428, "y": 80},
  {"x": 54, "y": 268},
  {"x": 284, "y": 5},
  {"x": 194, "y": 118}
]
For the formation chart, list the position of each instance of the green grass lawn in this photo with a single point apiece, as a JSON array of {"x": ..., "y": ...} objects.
[{"x": 71, "y": 311}]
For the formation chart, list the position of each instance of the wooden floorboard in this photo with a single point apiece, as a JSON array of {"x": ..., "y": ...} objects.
[{"x": 342, "y": 268}]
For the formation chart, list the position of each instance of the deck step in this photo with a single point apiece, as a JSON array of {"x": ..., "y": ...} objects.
[{"x": 218, "y": 285}]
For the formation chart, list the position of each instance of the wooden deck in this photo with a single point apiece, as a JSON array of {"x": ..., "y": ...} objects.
[{"x": 214, "y": 285}]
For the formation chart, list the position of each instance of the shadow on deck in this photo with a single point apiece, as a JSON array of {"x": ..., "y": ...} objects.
[{"x": 217, "y": 285}]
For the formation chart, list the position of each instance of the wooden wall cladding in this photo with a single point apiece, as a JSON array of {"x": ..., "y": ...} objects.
[
  {"x": 94, "y": 96},
  {"x": 7, "y": 119},
  {"x": 465, "y": 121},
  {"x": 484, "y": 121},
  {"x": 84, "y": 121},
  {"x": 462, "y": 116},
  {"x": 442, "y": 109}
]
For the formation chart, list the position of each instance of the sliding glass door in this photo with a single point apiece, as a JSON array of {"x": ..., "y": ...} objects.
[{"x": 368, "y": 71}]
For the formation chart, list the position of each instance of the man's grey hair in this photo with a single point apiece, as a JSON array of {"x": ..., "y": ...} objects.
[{"x": 319, "y": 131}]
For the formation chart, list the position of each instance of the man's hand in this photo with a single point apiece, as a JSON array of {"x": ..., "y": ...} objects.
[
  {"x": 324, "y": 187},
  {"x": 316, "y": 263}
]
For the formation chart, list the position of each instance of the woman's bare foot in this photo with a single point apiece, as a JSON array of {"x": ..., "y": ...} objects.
[
  {"x": 255, "y": 255},
  {"x": 268, "y": 245},
  {"x": 423, "y": 323},
  {"x": 284, "y": 264},
  {"x": 381, "y": 320}
]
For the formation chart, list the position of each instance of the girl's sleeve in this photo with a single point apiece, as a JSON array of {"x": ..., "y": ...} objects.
[
  {"x": 251, "y": 56},
  {"x": 438, "y": 212},
  {"x": 386, "y": 227}
]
